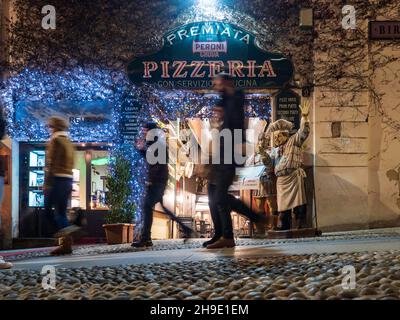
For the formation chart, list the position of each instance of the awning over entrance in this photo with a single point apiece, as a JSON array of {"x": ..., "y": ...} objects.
[{"x": 247, "y": 178}]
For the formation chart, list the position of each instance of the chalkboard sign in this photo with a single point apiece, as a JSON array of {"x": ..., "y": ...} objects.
[
  {"x": 287, "y": 107},
  {"x": 129, "y": 122}
]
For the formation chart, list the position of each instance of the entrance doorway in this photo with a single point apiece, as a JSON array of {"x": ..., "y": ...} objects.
[{"x": 186, "y": 194}]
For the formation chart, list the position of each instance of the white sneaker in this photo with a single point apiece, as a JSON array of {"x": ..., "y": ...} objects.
[{"x": 4, "y": 265}]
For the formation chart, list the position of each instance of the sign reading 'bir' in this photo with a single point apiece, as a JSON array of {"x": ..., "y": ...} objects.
[
  {"x": 384, "y": 30},
  {"x": 194, "y": 53}
]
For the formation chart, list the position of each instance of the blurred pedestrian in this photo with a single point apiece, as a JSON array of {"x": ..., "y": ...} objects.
[
  {"x": 228, "y": 116},
  {"x": 58, "y": 182},
  {"x": 155, "y": 185}
]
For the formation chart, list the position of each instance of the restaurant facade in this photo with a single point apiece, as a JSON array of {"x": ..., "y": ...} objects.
[{"x": 116, "y": 71}]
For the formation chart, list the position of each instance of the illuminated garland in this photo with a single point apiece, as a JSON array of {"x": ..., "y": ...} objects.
[{"x": 75, "y": 85}]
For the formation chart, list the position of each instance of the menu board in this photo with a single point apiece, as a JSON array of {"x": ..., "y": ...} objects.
[
  {"x": 287, "y": 107},
  {"x": 129, "y": 122}
]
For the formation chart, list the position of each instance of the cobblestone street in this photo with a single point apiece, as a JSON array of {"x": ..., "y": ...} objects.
[{"x": 256, "y": 269}]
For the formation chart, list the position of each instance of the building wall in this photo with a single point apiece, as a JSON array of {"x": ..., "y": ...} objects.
[
  {"x": 357, "y": 170},
  {"x": 3, "y": 34},
  {"x": 5, "y": 208},
  {"x": 384, "y": 146},
  {"x": 6, "y": 220}
]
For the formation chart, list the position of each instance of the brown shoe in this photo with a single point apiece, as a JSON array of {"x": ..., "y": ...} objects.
[
  {"x": 65, "y": 247},
  {"x": 222, "y": 243}
]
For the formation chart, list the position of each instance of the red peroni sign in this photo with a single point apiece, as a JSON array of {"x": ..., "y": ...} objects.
[{"x": 381, "y": 30}]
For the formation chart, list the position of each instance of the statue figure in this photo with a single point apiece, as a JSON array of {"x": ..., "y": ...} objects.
[{"x": 286, "y": 159}]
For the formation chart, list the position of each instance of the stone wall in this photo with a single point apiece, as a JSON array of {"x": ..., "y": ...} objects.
[{"x": 357, "y": 119}]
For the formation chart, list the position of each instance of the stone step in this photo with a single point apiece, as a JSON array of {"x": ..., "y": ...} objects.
[
  {"x": 294, "y": 233},
  {"x": 24, "y": 243}
]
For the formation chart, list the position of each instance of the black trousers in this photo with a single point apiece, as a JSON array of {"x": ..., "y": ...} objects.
[
  {"x": 286, "y": 216},
  {"x": 154, "y": 195},
  {"x": 221, "y": 204},
  {"x": 57, "y": 196}
]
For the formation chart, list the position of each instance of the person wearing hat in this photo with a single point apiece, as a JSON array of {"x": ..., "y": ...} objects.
[
  {"x": 156, "y": 182},
  {"x": 58, "y": 181},
  {"x": 286, "y": 159}
]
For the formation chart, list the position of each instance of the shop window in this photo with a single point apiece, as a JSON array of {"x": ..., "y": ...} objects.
[
  {"x": 76, "y": 189},
  {"x": 98, "y": 171},
  {"x": 36, "y": 178}
]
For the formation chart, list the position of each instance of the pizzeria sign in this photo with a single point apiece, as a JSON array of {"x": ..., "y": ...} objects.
[{"x": 194, "y": 53}]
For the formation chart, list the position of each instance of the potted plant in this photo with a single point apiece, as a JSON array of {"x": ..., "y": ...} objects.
[{"x": 119, "y": 227}]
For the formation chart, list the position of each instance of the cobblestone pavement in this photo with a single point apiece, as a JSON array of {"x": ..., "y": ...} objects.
[
  {"x": 196, "y": 243},
  {"x": 315, "y": 276}
]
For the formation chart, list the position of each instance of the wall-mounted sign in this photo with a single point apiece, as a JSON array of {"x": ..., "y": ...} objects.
[
  {"x": 194, "y": 53},
  {"x": 84, "y": 116},
  {"x": 384, "y": 30},
  {"x": 129, "y": 125},
  {"x": 287, "y": 107}
]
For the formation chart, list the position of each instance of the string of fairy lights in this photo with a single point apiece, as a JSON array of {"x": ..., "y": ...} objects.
[{"x": 94, "y": 84}]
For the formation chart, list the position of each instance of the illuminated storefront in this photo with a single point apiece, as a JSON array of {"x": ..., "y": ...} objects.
[
  {"x": 178, "y": 78},
  {"x": 191, "y": 56},
  {"x": 264, "y": 47}
]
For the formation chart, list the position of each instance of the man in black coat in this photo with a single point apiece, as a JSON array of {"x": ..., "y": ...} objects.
[
  {"x": 155, "y": 185},
  {"x": 230, "y": 114}
]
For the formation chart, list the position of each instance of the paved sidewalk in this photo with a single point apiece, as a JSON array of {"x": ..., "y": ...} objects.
[
  {"x": 193, "y": 245},
  {"x": 201, "y": 254},
  {"x": 256, "y": 269}
]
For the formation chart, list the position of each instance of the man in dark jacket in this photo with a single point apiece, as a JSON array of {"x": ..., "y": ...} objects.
[
  {"x": 155, "y": 185},
  {"x": 230, "y": 111}
]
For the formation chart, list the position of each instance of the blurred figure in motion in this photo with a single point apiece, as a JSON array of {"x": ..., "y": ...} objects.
[
  {"x": 155, "y": 185},
  {"x": 58, "y": 182},
  {"x": 228, "y": 116}
]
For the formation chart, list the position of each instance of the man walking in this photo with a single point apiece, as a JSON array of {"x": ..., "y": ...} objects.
[
  {"x": 155, "y": 184},
  {"x": 58, "y": 182},
  {"x": 229, "y": 113}
]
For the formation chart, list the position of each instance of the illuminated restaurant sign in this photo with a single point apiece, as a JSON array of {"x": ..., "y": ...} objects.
[{"x": 194, "y": 53}]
